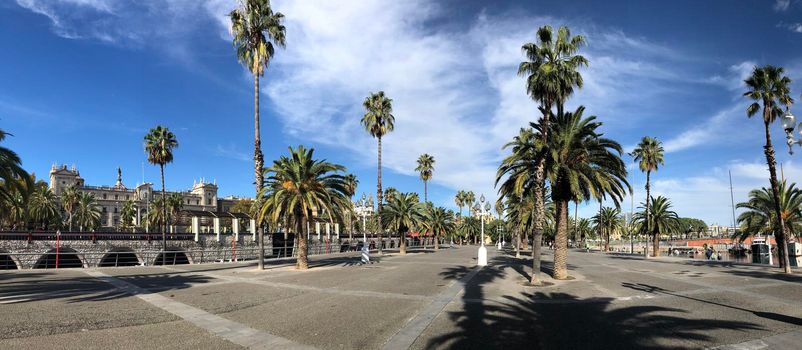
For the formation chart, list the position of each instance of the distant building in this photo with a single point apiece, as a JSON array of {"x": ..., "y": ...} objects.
[
  {"x": 200, "y": 201},
  {"x": 716, "y": 230}
]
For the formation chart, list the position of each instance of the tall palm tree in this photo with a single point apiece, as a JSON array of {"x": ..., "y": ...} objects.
[
  {"x": 437, "y": 221},
  {"x": 402, "y": 214},
  {"x": 425, "y": 168},
  {"x": 175, "y": 203},
  {"x": 659, "y": 220},
  {"x": 43, "y": 206},
  {"x": 760, "y": 217},
  {"x": 159, "y": 145},
  {"x": 459, "y": 200},
  {"x": 769, "y": 85},
  {"x": 470, "y": 198},
  {"x": 257, "y": 30},
  {"x": 88, "y": 212},
  {"x": 127, "y": 215},
  {"x": 583, "y": 230},
  {"x": 296, "y": 185},
  {"x": 580, "y": 165},
  {"x": 649, "y": 155},
  {"x": 552, "y": 72},
  {"x": 378, "y": 121},
  {"x": 69, "y": 201}
]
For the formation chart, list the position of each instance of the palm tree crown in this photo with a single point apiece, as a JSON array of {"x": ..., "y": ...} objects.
[
  {"x": 256, "y": 29},
  {"x": 759, "y": 217}
]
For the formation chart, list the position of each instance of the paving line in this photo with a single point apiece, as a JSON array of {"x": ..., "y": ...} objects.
[
  {"x": 234, "y": 332},
  {"x": 407, "y": 335}
]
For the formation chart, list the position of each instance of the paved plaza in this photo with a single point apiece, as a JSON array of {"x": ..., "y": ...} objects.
[{"x": 422, "y": 300}]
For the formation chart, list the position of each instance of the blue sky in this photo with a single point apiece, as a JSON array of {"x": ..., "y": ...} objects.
[{"x": 83, "y": 80}]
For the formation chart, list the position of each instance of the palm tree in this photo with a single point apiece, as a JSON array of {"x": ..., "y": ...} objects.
[
  {"x": 649, "y": 155},
  {"x": 760, "y": 217},
  {"x": 659, "y": 220},
  {"x": 389, "y": 194},
  {"x": 583, "y": 230},
  {"x": 581, "y": 164},
  {"x": 459, "y": 200},
  {"x": 175, "y": 203},
  {"x": 43, "y": 206},
  {"x": 159, "y": 145},
  {"x": 608, "y": 221},
  {"x": 768, "y": 85},
  {"x": 469, "y": 200},
  {"x": 437, "y": 221},
  {"x": 127, "y": 214},
  {"x": 425, "y": 168},
  {"x": 10, "y": 171},
  {"x": 469, "y": 227},
  {"x": 378, "y": 121},
  {"x": 69, "y": 201},
  {"x": 88, "y": 212},
  {"x": 298, "y": 184},
  {"x": 352, "y": 183},
  {"x": 551, "y": 72},
  {"x": 157, "y": 213},
  {"x": 257, "y": 30},
  {"x": 402, "y": 214}
]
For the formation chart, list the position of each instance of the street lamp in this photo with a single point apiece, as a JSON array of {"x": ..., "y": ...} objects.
[
  {"x": 364, "y": 204},
  {"x": 482, "y": 258},
  {"x": 788, "y": 122}
]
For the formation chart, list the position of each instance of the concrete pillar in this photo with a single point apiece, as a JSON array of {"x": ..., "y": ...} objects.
[
  {"x": 317, "y": 230},
  {"x": 235, "y": 228},
  {"x": 216, "y": 223},
  {"x": 252, "y": 228},
  {"x": 196, "y": 227},
  {"x": 328, "y": 231},
  {"x": 111, "y": 219}
]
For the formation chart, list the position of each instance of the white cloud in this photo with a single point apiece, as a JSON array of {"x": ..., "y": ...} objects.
[
  {"x": 793, "y": 27},
  {"x": 781, "y": 5}
]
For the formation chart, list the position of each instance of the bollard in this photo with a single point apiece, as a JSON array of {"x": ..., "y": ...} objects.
[{"x": 365, "y": 254}]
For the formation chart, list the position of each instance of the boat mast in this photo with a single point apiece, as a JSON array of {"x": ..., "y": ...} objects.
[{"x": 732, "y": 202}]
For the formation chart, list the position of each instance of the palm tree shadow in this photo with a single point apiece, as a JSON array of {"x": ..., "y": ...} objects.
[
  {"x": 553, "y": 320},
  {"x": 767, "y": 315}
]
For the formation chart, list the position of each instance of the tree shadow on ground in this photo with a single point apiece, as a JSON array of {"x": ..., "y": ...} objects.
[
  {"x": 767, "y": 315},
  {"x": 80, "y": 289},
  {"x": 554, "y": 320}
]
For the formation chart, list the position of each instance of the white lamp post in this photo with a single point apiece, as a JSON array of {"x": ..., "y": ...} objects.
[
  {"x": 363, "y": 205},
  {"x": 482, "y": 258}
]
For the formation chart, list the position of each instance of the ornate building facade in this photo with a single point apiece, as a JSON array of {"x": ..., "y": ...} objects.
[{"x": 200, "y": 203}]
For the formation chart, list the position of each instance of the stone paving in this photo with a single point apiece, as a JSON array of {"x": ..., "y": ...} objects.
[{"x": 422, "y": 300}]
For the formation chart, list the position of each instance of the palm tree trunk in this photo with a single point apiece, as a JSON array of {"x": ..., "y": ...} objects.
[
  {"x": 518, "y": 243},
  {"x": 656, "y": 242},
  {"x": 403, "y": 245},
  {"x": 425, "y": 191},
  {"x": 164, "y": 212},
  {"x": 258, "y": 165},
  {"x": 780, "y": 234},
  {"x": 436, "y": 242},
  {"x": 302, "y": 262},
  {"x": 379, "y": 197},
  {"x": 561, "y": 242},
  {"x": 540, "y": 210}
]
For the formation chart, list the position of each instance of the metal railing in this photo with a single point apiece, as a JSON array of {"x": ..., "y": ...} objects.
[{"x": 69, "y": 258}]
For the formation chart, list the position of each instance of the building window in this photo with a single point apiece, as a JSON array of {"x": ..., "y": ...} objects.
[
  {"x": 115, "y": 197},
  {"x": 126, "y": 197},
  {"x": 104, "y": 196},
  {"x": 104, "y": 209},
  {"x": 208, "y": 201}
]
